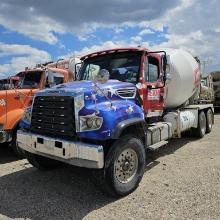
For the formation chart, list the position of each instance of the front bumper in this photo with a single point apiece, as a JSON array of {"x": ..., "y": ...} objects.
[{"x": 71, "y": 152}]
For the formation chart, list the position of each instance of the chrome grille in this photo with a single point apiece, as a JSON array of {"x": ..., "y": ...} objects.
[
  {"x": 127, "y": 93},
  {"x": 53, "y": 115}
]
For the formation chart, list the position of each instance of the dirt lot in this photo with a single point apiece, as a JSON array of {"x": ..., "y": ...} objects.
[{"x": 182, "y": 181}]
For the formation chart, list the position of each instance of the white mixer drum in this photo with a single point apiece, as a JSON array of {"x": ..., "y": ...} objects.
[{"x": 185, "y": 78}]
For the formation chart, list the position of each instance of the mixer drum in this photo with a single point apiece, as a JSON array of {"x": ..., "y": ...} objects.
[{"x": 185, "y": 75}]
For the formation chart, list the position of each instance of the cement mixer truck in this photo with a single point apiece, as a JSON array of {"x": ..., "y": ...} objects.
[{"x": 125, "y": 101}]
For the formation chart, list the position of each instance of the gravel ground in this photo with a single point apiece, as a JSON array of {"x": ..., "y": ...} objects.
[{"x": 182, "y": 181}]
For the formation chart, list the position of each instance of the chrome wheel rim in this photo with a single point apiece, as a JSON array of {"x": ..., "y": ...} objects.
[{"x": 126, "y": 165}]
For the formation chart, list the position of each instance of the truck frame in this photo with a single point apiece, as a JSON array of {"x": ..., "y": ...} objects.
[{"x": 107, "y": 124}]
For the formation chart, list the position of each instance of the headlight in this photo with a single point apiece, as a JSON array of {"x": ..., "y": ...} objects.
[
  {"x": 27, "y": 115},
  {"x": 98, "y": 122},
  {"x": 90, "y": 122}
]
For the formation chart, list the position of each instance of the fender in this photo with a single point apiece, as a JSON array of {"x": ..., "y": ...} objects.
[
  {"x": 13, "y": 117},
  {"x": 126, "y": 123},
  {"x": 116, "y": 117}
]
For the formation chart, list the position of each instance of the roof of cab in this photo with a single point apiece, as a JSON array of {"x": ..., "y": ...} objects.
[
  {"x": 33, "y": 70},
  {"x": 123, "y": 49}
]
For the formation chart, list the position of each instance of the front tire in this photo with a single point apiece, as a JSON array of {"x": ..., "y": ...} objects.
[
  {"x": 124, "y": 167},
  {"x": 42, "y": 163}
]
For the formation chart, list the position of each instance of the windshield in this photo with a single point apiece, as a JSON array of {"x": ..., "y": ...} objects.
[
  {"x": 121, "y": 66},
  {"x": 31, "y": 80}
]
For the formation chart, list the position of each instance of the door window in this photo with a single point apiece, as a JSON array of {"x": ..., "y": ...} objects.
[{"x": 152, "y": 72}]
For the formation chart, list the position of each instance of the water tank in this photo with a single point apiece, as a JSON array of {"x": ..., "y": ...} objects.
[{"x": 185, "y": 73}]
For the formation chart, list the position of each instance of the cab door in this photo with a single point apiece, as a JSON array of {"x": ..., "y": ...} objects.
[{"x": 153, "y": 94}]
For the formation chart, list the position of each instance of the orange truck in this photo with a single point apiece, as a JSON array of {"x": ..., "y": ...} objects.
[{"x": 19, "y": 96}]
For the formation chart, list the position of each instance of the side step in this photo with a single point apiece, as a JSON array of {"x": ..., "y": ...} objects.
[{"x": 156, "y": 146}]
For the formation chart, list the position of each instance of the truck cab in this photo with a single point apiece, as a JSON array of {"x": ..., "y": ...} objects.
[
  {"x": 119, "y": 106},
  {"x": 136, "y": 66}
]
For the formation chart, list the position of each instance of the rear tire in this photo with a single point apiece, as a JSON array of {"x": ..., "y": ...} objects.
[
  {"x": 123, "y": 169},
  {"x": 201, "y": 127},
  {"x": 42, "y": 163},
  {"x": 209, "y": 120}
]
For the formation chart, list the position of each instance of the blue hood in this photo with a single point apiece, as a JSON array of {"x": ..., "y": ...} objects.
[{"x": 84, "y": 86}]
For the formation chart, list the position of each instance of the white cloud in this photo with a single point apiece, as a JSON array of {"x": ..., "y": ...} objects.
[
  {"x": 38, "y": 28},
  {"x": 41, "y": 20},
  {"x": 136, "y": 39},
  {"x": 145, "y": 32},
  {"x": 97, "y": 47},
  {"x": 21, "y": 56},
  {"x": 118, "y": 30},
  {"x": 194, "y": 26},
  {"x": 104, "y": 46},
  {"x": 18, "y": 49}
]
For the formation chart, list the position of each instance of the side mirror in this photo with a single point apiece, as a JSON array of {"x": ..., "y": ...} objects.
[
  {"x": 102, "y": 76},
  {"x": 168, "y": 59}
]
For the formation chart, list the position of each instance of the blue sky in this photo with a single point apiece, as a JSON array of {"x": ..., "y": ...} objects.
[{"x": 37, "y": 31}]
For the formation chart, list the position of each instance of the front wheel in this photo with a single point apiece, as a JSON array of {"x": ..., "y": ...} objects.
[
  {"x": 42, "y": 163},
  {"x": 124, "y": 167}
]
